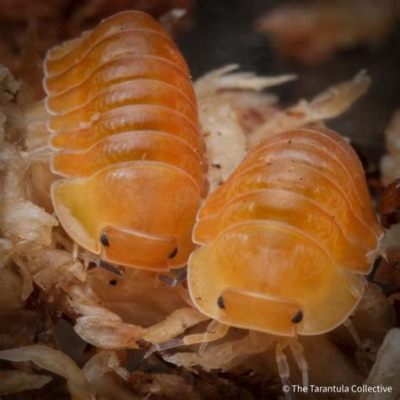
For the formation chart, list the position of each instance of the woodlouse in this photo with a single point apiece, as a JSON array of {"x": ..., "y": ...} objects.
[
  {"x": 287, "y": 238},
  {"x": 125, "y": 134}
]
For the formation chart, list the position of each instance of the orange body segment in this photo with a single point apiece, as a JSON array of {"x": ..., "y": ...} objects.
[
  {"x": 126, "y": 140},
  {"x": 287, "y": 238}
]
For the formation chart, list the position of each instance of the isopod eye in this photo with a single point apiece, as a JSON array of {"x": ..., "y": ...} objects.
[
  {"x": 221, "y": 302},
  {"x": 298, "y": 317},
  {"x": 104, "y": 240},
  {"x": 173, "y": 253}
]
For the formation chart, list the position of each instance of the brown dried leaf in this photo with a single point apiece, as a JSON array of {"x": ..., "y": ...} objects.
[
  {"x": 167, "y": 386},
  {"x": 10, "y": 289},
  {"x": 390, "y": 163},
  {"x": 17, "y": 328},
  {"x": 390, "y": 204},
  {"x": 19, "y": 381}
]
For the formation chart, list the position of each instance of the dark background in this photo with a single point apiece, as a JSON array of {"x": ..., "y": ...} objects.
[{"x": 224, "y": 33}]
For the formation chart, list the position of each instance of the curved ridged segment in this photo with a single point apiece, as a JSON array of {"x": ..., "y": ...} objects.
[
  {"x": 123, "y": 69},
  {"x": 135, "y": 92},
  {"x": 65, "y": 55},
  {"x": 129, "y": 118},
  {"x": 290, "y": 233},
  {"x": 110, "y": 48},
  {"x": 125, "y": 134}
]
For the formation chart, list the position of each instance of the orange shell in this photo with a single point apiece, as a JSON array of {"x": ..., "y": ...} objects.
[
  {"x": 287, "y": 238},
  {"x": 125, "y": 134}
]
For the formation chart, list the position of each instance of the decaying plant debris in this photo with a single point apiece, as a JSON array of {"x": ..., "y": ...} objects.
[
  {"x": 69, "y": 327},
  {"x": 46, "y": 288},
  {"x": 390, "y": 163},
  {"x": 23, "y": 22}
]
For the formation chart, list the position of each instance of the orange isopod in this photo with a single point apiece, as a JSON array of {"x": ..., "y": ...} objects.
[
  {"x": 286, "y": 240},
  {"x": 125, "y": 136}
]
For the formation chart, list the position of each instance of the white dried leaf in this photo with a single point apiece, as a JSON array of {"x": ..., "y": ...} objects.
[
  {"x": 223, "y": 97},
  {"x": 329, "y": 104},
  {"x": 385, "y": 371},
  {"x": 56, "y": 362},
  {"x": 234, "y": 121},
  {"x": 37, "y": 134},
  {"x": 100, "y": 364},
  {"x": 224, "y": 137},
  {"x": 175, "y": 324},
  {"x": 85, "y": 302},
  {"x": 391, "y": 237},
  {"x": 24, "y": 222},
  {"x": 54, "y": 267},
  {"x": 223, "y": 78},
  {"x": 21, "y": 221},
  {"x": 108, "y": 334}
]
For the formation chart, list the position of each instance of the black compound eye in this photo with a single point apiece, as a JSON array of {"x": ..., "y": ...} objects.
[
  {"x": 221, "y": 302},
  {"x": 298, "y": 317},
  {"x": 173, "y": 253},
  {"x": 104, "y": 240}
]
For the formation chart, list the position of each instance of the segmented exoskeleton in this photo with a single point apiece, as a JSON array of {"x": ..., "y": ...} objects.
[
  {"x": 125, "y": 134},
  {"x": 287, "y": 238}
]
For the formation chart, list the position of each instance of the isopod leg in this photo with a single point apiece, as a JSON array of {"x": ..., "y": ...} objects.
[
  {"x": 350, "y": 327},
  {"x": 364, "y": 354},
  {"x": 75, "y": 252},
  {"x": 215, "y": 331},
  {"x": 176, "y": 280},
  {"x": 283, "y": 369},
  {"x": 298, "y": 354},
  {"x": 214, "y": 328},
  {"x": 163, "y": 334}
]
